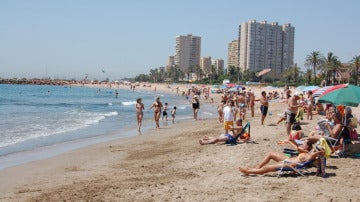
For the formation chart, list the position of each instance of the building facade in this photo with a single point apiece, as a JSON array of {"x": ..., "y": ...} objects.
[
  {"x": 233, "y": 54},
  {"x": 205, "y": 65},
  {"x": 218, "y": 65},
  {"x": 188, "y": 52},
  {"x": 170, "y": 63},
  {"x": 262, "y": 45}
]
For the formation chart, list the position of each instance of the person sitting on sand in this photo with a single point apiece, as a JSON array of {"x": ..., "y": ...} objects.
[
  {"x": 263, "y": 166},
  {"x": 224, "y": 137}
]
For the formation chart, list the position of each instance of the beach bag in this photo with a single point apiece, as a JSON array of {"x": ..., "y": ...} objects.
[{"x": 321, "y": 165}]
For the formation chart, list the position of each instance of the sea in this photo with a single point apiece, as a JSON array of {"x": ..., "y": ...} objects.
[{"x": 41, "y": 121}]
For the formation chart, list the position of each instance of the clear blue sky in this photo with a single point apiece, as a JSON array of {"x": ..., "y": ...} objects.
[{"x": 68, "y": 38}]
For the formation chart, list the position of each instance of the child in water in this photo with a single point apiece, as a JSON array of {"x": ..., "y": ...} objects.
[
  {"x": 165, "y": 111},
  {"x": 173, "y": 112}
]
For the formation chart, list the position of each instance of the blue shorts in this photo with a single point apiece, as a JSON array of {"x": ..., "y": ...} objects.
[
  {"x": 263, "y": 110},
  {"x": 231, "y": 139}
]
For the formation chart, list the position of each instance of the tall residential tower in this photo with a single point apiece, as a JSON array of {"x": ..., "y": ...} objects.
[
  {"x": 188, "y": 52},
  {"x": 263, "y": 46}
]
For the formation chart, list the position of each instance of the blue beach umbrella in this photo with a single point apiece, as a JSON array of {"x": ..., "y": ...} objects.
[
  {"x": 307, "y": 88},
  {"x": 223, "y": 87}
]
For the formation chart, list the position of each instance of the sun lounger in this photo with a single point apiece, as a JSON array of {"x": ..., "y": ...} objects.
[
  {"x": 289, "y": 166},
  {"x": 246, "y": 128}
]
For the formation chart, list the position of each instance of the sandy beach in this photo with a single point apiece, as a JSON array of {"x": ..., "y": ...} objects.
[{"x": 169, "y": 164}]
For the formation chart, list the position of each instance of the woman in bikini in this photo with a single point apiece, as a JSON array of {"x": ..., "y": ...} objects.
[
  {"x": 139, "y": 107},
  {"x": 157, "y": 105},
  {"x": 305, "y": 154},
  {"x": 309, "y": 106}
]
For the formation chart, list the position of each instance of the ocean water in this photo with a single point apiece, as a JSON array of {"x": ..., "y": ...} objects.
[{"x": 37, "y": 122}]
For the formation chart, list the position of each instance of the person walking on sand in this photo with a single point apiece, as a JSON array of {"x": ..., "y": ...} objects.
[
  {"x": 264, "y": 106},
  {"x": 157, "y": 105},
  {"x": 220, "y": 109},
  {"x": 173, "y": 113},
  {"x": 195, "y": 105},
  {"x": 139, "y": 107},
  {"x": 252, "y": 103}
]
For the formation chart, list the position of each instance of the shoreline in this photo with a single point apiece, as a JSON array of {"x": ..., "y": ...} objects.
[
  {"x": 47, "y": 151},
  {"x": 169, "y": 164}
]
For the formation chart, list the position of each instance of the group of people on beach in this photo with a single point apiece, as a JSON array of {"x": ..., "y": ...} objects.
[
  {"x": 192, "y": 94},
  {"x": 159, "y": 109},
  {"x": 336, "y": 126}
]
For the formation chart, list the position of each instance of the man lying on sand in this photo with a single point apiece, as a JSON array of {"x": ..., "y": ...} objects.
[{"x": 224, "y": 137}]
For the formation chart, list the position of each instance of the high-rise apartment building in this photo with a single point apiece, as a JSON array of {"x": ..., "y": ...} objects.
[
  {"x": 170, "y": 63},
  {"x": 233, "y": 54},
  {"x": 263, "y": 45},
  {"x": 218, "y": 65},
  {"x": 188, "y": 52},
  {"x": 205, "y": 65}
]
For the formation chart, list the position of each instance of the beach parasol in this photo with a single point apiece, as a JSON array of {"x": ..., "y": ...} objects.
[
  {"x": 300, "y": 88},
  {"x": 318, "y": 92},
  {"x": 233, "y": 89},
  {"x": 332, "y": 88},
  {"x": 347, "y": 96},
  {"x": 307, "y": 88},
  {"x": 230, "y": 85},
  {"x": 262, "y": 72}
]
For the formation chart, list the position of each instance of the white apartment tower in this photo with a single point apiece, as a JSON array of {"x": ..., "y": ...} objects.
[
  {"x": 263, "y": 45},
  {"x": 188, "y": 51},
  {"x": 233, "y": 53}
]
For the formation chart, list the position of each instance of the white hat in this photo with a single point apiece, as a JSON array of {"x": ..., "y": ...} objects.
[{"x": 297, "y": 93}]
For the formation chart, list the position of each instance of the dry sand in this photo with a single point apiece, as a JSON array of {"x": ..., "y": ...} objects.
[{"x": 170, "y": 165}]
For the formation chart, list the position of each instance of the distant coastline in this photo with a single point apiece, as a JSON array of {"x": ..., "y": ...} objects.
[{"x": 25, "y": 81}]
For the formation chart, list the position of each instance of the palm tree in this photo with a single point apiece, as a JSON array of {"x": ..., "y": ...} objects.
[
  {"x": 331, "y": 66},
  {"x": 308, "y": 74},
  {"x": 314, "y": 59},
  {"x": 356, "y": 63}
]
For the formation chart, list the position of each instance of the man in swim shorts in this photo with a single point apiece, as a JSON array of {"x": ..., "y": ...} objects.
[{"x": 264, "y": 106}]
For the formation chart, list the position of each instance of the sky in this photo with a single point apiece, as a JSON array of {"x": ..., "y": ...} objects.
[{"x": 66, "y": 39}]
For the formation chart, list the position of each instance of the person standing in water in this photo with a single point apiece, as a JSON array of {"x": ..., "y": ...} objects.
[
  {"x": 139, "y": 112},
  {"x": 173, "y": 113},
  {"x": 157, "y": 105},
  {"x": 165, "y": 111},
  {"x": 195, "y": 105}
]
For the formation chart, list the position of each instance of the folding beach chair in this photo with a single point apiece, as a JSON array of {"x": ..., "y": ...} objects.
[
  {"x": 246, "y": 129},
  {"x": 289, "y": 166},
  {"x": 337, "y": 145}
]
